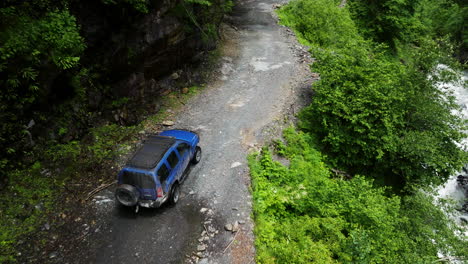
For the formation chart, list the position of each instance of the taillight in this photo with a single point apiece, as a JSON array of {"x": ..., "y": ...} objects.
[{"x": 160, "y": 192}]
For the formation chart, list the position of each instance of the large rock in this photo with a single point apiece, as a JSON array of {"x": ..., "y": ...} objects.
[{"x": 135, "y": 48}]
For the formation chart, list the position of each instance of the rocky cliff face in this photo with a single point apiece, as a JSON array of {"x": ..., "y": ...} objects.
[{"x": 136, "y": 49}]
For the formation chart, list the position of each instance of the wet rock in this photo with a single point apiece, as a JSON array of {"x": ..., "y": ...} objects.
[
  {"x": 462, "y": 180},
  {"x": 201, "y": 247},
  {"x": 30, "y": 124},
  {"x": 168, "y": 123},
  {"x": 211, "y": 229},
  {"x": 464, "y": 208},
  {"x": 235, "y": 164},
  {"x": 175, "y": 76},
  {"x": 53, "y": 254},
  {"x": 228, "y": 227},
  {"x": 235, "y": 227},
  {"x": 39, "y": 206},
  {"x": 464, "y": 220}
]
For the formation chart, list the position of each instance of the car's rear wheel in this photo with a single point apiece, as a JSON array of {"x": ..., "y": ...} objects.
[
  {"x": 127, "y": 195},
  {"x": 175, "y": 193},
  {"x": 197, "y": 156}
]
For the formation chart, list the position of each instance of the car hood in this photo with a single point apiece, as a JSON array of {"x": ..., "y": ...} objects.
[{"x": 185, "y": 135}]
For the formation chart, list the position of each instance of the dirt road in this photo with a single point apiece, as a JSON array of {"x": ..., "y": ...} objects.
[{"x": 257, "y": 83}]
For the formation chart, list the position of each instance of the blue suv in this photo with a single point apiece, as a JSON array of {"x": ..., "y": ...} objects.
[{"x": 153, "y": 175}]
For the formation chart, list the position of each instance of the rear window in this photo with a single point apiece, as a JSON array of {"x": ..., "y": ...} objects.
[{"x": 141, "y": 180}]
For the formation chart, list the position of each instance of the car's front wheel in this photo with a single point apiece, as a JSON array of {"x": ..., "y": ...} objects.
[
  {"x": 197, "y": 156},
  {"x": 175, "y": 193}
]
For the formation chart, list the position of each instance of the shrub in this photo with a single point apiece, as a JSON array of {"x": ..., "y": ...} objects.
[
  {"x": 304, "y": 215},
  {"x": 373, "y": 114}
]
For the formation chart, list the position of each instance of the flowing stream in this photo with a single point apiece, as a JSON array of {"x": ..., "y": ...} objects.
[{"x": 456, "y": 188}]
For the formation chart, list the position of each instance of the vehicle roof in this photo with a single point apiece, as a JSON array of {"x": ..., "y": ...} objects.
[{"x": 151, "y": 153}]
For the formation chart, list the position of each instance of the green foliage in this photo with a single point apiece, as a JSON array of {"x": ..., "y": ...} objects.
[
  {"x": 445, "y": 17},
  {"x": 107, "y": 142},
  {"x": 303, "y": 215},
  {"x": 203, "y": 16},
  {"x": 373, "y": 114},
  {"x": 104, "y": 146},
  {"x": 386, "y": 20},
  {"x": 30, "y": 47},
  {"x": 139, "y": 5},
  {"x": 24, "y": 206},
  {"x": 200, "y": 2},
  {"x": 319, "y": 23}
]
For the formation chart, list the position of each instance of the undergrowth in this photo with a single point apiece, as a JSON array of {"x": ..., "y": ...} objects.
[{"x": 304, "y": 213}]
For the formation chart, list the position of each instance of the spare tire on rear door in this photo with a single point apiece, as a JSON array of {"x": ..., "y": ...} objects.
[{"x": 127, "y": 194}]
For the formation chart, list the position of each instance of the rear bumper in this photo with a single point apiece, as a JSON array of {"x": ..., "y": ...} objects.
[{"x": 152, "y": 203}]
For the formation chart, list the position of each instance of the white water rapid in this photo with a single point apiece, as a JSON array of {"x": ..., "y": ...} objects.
[{"x": 452, "y": 189}]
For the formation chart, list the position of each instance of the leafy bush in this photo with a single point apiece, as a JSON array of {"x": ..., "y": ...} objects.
[
  {"x": 373, "y": 114},
  {"x": 445, "y": 17},
  {"x": 386, "y": 20},
  {"x": 319, "y": 23},
  {"x": 303, "y": 215},
  {"x": 31, "y": 48}
]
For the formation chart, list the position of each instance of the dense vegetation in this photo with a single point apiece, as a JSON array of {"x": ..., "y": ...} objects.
[
  {"x": 381, "y": 124},
  {"x": 305, "y": 214},
  {"x": 58, "y": 100},
  {"x": 374, "y": 112}
]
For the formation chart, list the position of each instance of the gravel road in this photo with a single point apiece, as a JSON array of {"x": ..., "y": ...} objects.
[{"x": 261, "y": 76}]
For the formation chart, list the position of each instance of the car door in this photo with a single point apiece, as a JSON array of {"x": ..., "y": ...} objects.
[
  {"x": 184, "y": 153},
  {"x": 175, "y": 166},
  {"x": 164, "y": 175}
]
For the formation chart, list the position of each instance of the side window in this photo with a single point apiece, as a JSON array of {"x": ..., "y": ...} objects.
[
  {"x": 183, "y": 148},
  {"x": 172, "y": 159},
  {"x": 163, "y": 172}
]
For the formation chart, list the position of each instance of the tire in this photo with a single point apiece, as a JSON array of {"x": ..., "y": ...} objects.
[
  {"x": 175, "y": 194},
  {"x": 197, "y": 156},
  {"x": 127, "y": 195}
]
